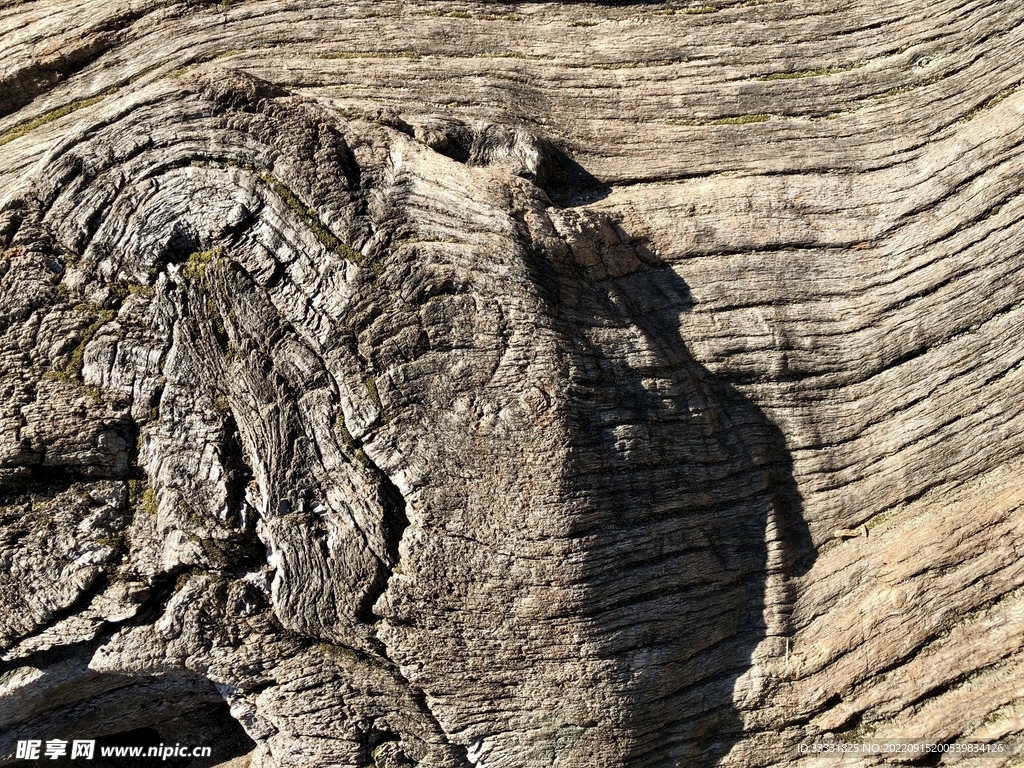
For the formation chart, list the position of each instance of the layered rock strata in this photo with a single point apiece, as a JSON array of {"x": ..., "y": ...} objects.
[{"x": 511, "y": 384}]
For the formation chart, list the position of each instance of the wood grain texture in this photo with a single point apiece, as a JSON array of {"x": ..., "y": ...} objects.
[{"x": 512, "y": 384}]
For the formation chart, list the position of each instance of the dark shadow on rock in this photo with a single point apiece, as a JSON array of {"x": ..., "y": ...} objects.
[
  {"x": 568, "y": 183},
  {"x": 681, "y": 477}
]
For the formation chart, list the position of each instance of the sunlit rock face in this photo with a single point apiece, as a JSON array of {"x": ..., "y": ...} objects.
[{"x": 346, "y": 424}]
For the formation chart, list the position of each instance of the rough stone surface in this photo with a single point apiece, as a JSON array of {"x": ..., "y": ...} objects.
[{"x": 511, "y": 385}]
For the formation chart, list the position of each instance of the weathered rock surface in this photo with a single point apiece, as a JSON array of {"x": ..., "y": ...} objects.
[{"x": 511, "y": 385}]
